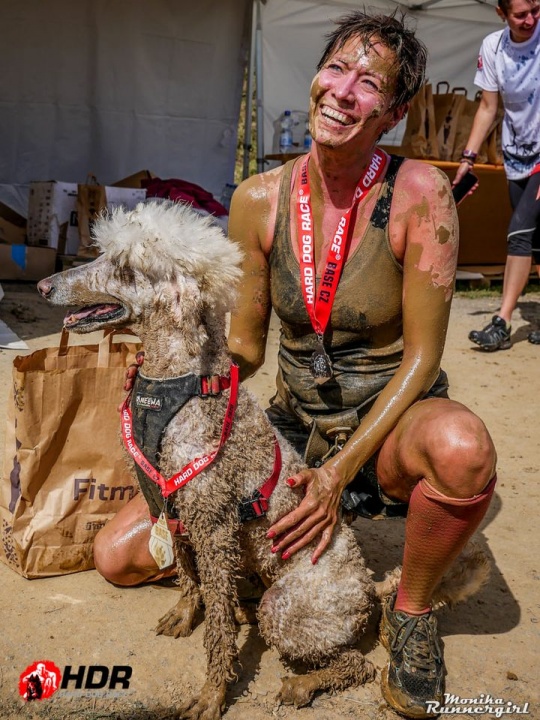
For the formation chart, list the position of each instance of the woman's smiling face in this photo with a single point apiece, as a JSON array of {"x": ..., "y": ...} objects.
[{"x": 352, "y": 95}]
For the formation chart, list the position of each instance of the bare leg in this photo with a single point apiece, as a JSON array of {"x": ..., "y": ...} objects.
[
  {"x": 121, "y": 551},
  {"x": 442, "y": 441},
  {"x": 439, "y": 457},
  {"x": 516, "y": 274}
]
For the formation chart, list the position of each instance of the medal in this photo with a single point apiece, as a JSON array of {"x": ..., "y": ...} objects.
[
  {"x": 161, "y": 543},
  {"x": 320, "y": 365},
  {"x": 319, "y": 301}
]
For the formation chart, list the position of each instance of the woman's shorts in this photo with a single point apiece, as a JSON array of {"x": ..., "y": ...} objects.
[{"x": 363, "y": 495}]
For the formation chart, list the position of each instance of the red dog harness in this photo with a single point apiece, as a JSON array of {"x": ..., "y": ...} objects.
[{"x": 250, "y": 508}]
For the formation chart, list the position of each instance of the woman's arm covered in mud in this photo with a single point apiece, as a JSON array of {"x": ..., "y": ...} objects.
[
  {"x": 424, "y": 237},
  {"x": 248, "y": 222}
]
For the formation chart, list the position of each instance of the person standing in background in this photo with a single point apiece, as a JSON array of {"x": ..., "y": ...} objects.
[{"x": 509, "y": 68}]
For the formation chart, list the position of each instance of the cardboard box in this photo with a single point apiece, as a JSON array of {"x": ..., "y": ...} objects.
[
  {"x": 127, "y": 197},
  {"x": 134, "y": 181},
  {"x": 52, "y": 216},
  {"x": 52, "y": 213},
  {"x": 12, "y": 226},
  {"x": 22, "y": 262}
]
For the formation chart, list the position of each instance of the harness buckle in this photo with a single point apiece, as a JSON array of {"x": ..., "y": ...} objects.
[
  {"x": 252, "y": 508},
  {"x": 339, "y": 435},
  {"x": 212, "y": 385}
]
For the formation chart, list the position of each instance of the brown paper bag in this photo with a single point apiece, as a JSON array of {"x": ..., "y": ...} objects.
[
  {"x": 447, "y": 108},
  {"x": 65, "y": 473},
  {"x": 441, "y": 102},
  {"x": 420, "y": 137},
  {"x": 466, "y": 119},
  {"x": 91, "y": 201}
]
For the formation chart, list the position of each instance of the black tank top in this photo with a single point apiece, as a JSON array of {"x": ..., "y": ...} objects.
[{"x": 365, "y": 335}]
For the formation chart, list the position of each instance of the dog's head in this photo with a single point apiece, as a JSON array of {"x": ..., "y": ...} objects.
[{"x": 157, "y": 254}]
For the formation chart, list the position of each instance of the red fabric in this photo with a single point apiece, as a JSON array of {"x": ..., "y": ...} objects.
[
  {"x": 438, "y": 528},
  {"x": 270, "y": 485},
  {"x": 183, "y": 191}
]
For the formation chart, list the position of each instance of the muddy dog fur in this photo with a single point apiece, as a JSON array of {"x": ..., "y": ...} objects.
[{"x": 170, "y": 275}]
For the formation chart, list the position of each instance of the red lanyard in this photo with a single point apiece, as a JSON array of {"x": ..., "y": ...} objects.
[
  {"x": 193, "y": 468},
  {"x": 319, "y": 302}
]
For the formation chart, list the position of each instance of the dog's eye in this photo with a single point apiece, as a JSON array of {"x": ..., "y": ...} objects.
[{"x": 126, "y": 275}]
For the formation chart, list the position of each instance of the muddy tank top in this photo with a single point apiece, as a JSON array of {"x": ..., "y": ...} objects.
[{"x": 364, "y": 338}]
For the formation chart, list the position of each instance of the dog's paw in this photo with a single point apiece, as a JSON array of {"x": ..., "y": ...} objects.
[
  {"x": 245, "y": 613},
  {"x": 178, "y": 622},
  {"x": 209, "y": 705},
  {"x": 297, "y": 690}
]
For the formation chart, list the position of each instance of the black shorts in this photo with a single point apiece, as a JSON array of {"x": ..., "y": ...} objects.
[
  {"x": 524, "y": 227},
  {"x": 363, "y": 495}
]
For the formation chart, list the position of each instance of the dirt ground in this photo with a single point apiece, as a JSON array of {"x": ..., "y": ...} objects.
[{"x": 491, "y": 642}]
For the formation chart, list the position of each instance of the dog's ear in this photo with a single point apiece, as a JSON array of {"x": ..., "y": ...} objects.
[{"x": 187, "y": 308}]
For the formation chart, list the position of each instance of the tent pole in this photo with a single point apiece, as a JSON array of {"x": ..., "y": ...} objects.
[
  {"x": 259, "y": 75},
  {"x": 249, "y": 91}
]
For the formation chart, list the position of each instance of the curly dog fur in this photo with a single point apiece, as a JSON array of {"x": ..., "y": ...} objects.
[{"x": 170, "y": 275}]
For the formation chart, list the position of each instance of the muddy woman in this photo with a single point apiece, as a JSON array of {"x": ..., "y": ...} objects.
[{"x": 355, "y": 251}]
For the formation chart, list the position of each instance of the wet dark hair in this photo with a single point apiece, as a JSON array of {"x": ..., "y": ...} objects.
[
  {"x": 505, "y": 5},
  {"x": 390, "y": 30}
]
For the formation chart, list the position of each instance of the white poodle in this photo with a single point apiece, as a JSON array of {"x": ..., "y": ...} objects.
[{"x": 170, "y": 276}]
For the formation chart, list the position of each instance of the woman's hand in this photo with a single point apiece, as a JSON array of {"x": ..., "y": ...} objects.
[
  {"x": 131, "y": 374},
  {"x": 463, "y": 168},
  {"x": 316, "y": 515}
]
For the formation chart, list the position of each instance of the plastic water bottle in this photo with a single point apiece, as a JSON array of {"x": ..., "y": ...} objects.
[
  {"x": 285, "y": 136},
  {"x": 307, "y": 138},
  {"x": 226, "y": 195}
]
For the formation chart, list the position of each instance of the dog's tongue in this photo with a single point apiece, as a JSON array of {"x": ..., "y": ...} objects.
[{"x": 90, "y": 310}]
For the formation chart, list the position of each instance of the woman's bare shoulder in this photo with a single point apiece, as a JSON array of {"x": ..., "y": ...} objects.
[
  {"x": 420, "y": 178},
  {"x": 254, "y": 207},
  {"x": 260, "y": 188}
]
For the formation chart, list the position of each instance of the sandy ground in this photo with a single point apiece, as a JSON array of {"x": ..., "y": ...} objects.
[{"x": 491, "y": 642}]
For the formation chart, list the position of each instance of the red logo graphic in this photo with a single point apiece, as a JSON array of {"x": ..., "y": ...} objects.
[
  {"x": 480, "y": 63},
  {"x": 39, "y": 681}
]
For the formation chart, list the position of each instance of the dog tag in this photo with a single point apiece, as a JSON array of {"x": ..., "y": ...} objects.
[
  {"x": 161, "y": 543},
  {"x": 320, "y": 365}
]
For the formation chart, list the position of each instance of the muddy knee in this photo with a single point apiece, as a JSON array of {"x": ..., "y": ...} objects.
[{"x": 121, "y": 553}]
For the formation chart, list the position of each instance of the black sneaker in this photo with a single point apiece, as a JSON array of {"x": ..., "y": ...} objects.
[
  {"x": 534, "y": 337},
  {"x": 495, "y": 336},
  {"x": 415, "y": 672}
]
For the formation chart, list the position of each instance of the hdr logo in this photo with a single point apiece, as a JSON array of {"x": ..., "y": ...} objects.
[{"x": 41, "y": 679}]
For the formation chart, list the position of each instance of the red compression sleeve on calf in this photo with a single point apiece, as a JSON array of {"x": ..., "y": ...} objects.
[{"x": 438, "y": 528}]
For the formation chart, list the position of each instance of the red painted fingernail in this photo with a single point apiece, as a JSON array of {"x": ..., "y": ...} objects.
[
  {"x": 314, "y": 562},
  {"x": 290, "y": 482},
  {"x": 275, "y": 549},
  {"x": 270, "y": 534},
  {"x": 286, "y": 556}
]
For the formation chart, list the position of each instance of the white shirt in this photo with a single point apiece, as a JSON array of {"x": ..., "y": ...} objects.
[{"x": 513, "y": 70}]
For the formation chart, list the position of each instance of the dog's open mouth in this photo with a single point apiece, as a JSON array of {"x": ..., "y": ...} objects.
[{"x": 94, "y": 314}]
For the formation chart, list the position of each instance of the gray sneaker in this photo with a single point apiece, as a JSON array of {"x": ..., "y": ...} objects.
[
  {"x": 534, "y": 337},
  {"x": 495, "y": 336},
  {"x": 415, "y": 672}
]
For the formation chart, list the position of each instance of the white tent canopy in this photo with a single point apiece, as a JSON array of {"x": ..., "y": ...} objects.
[
  {"x": 116, "y": 86},
  {"x": 293, "y": 38},
  {"x": 113, "y": 87}
]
